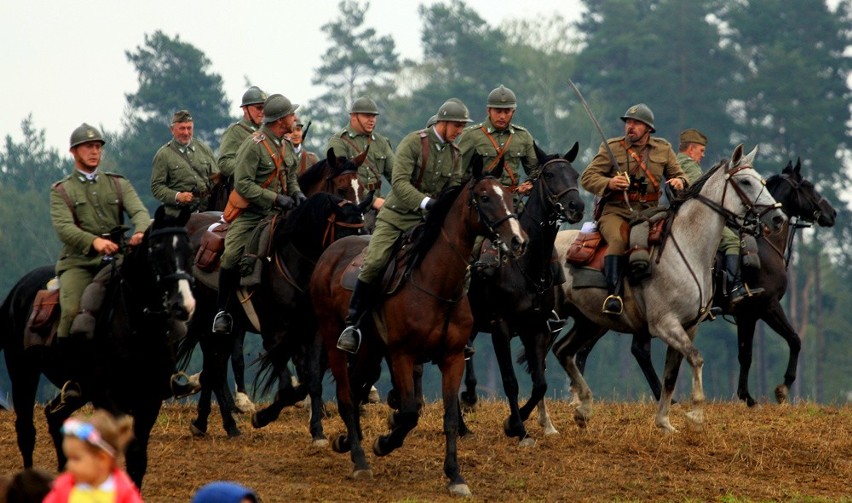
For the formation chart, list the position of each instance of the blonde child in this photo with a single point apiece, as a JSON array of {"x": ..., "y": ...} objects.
[{"x": 94, "y": 448}]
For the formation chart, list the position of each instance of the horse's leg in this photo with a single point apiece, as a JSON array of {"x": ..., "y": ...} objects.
[
  {"x": 513, "y": 426},
  {"x": 565, "y": 351},
  {"x": 405, "y": 419},
  {"x": 580, "y": 360},
  {"x": 468, "y": 396},
  {"x": 137, "y": 451},
  {"x": 223, "y": 395},
  {"x": 198, "y": 426},
  {"x": 777, "y": 320},
  {"x": 544, "y": 419},
  {"x": 535, "y": 347},
  {"x": 745, "y": 339},
  {"x": 641, "y": 350},
  {"x": 346, "y": 406},
  {"x": 452, "y": 368},
  {"x": 314, "y": 383},
  {"x": 24, "y": 385},
  {"x": 55, "y": 416},
  {"x": 672, "y": 333},
  {"x": 673, "y": 359}
]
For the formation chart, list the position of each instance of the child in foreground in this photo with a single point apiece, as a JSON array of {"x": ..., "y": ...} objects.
[{"x": 94, "y": 448}]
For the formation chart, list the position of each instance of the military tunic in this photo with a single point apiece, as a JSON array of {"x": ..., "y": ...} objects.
[
  {"x": 380, "y": 158},
  {"x": 179, "y": 168},
  {"x": 96, "y": 205},
  {"x": 254, "y": 166},
  {"x": 515, "y": 142},
  {"x": 234, "y": 136},
  {"x": 306, "y": 159},
  {"x": 690, "y": 168},
  {"x": 401, "y": 210},
  {"x": 660, "y": 162}
]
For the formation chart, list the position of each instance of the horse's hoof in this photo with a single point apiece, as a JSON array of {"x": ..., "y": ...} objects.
[
  {"x": 377, "y": 448},
  {"x": 233, "y": 432},
  {"x": 513, "y": 432},
  {"x": 243, "y": 403},
  {"x": 527, "y": 442},
  {"x": 580, "y": 419},
  {"x": 695, "y": 419},
  {"x": 666, "y": 425},
  {"x": 340, "y": 445},
  {"x": 257, "y": 422},
  {"x": 196, "y": 431},
  {"x": 550, "y": 431},
  {"x": 366, "y": 474},
  {"x": 373, "y": 396},
  {"x": 461, "y": 490},
  {"x": 781, "y": 393},
  {"x": 320, "y": 443}
]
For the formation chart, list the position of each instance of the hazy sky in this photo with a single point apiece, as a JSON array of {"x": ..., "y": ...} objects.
[{"x": 64, "y": 61}]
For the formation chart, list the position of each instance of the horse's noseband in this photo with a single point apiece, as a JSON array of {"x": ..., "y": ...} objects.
[
  {"x": 178, "y": 274},
  {"x": 491, "y": 226},
  {"x": 557, "y": 212}
]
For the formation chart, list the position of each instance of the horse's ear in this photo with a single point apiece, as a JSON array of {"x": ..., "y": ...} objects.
[
  {"x": 329, "y": 156},
  {"x": 160, "y": 214},
  {"x": 572, "y": 154},
  {"x": 788, "y": 169},
  {"x": 358, "y": 160},
  {"x": 798, "y": 169},
  {"x": 497, "y": 171},
  {"x": 476, "y": 166},
  {"x": 539, "y": 154},
  {"x": 367, "y": 203},
  {"x": 736, "y": 157},
  {"x": 748, "y": 160}
]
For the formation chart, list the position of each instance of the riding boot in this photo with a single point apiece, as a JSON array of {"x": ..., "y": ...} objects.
[
  {"x": 75, "y": 357},
  {"x": 613, "y": 305},
  {"x": 738, "y": 290},
  {"x": 363, "y": 299},
  {"x": 229, "y": 281}
]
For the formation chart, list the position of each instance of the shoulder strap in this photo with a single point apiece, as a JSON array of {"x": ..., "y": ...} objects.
[
  {"x": 250, "y": 130},
  {"x": 65, "y": 197},
  {"x": 500, "y": 152},
  {"x": 277, "y": 160},
  {"x": 424, "y": 155},
  {"x": 641, "y": 163}
]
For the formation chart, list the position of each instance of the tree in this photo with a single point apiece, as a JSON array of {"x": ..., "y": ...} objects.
[{"x": 30, "y": 165}]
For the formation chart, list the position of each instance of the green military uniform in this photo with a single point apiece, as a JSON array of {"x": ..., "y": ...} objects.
[
  {"x": 401, "y": 210},
  {"x": 659, "y": 160},
  {"x": 183, "y": 168},
  {"x": 690, "y": 168},
  {"x": 96, "y": 206},
  {"x": 380, "y": 158},
  {"x": 730, "y": 243},
  {"x": 515, "y": 144},
  {"x": 234, "y": 136},
  {"x": 254, "y": 166},
  {"x": 305, "y": 159}
]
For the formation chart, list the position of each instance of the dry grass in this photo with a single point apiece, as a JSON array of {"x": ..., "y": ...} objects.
[{"x": 778, "y": 453}]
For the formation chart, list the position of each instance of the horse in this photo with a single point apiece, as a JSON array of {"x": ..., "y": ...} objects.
[
  {"x": 280, "y": 302},
  {"x": 675, "y": 298},
  {"x": 336, "y": 175},
  {"x": 801, "y": 201},
  {"x": 427, "y": 317},
  {"x": 150, "y": 300},
  {"x": 518, "y": 297}
]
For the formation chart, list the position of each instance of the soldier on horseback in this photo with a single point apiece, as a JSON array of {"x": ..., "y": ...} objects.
[
  {"x": 626, "y": 185},
  {"x": 236, "y": 134},
  {"x": 427, "y": 161},
  {"x": 265, "y": 178}
]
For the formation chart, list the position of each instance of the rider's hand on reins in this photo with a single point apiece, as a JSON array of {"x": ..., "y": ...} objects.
[{"x": 104, "y": 246}]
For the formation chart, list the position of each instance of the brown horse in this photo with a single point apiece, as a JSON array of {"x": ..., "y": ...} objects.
[
  {"x": 426, "y": 318},
  {"x": 335, "y": 175}
]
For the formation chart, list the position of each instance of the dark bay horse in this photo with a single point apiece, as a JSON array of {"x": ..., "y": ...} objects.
[
  {"x": 335, "y": 175},
  {"x": 519, "y": 297},
  {"x": 670, "y": 304},
  {"x": 803, "y": 205},
  {"x": 426, "y": 318},
  {"x": 149, "y": 296},
  {"x": 282, "y": 305}
]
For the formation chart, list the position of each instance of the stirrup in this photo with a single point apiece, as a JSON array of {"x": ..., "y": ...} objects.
[
  {"x": 469, "y": 351},
  {"x": 223, "y": 323},
  {"x": 350, "y": 339},
  {"x": 607, "y": 310},
  {"x": 555, "y": 323},
  {"x": 182, "y": 386}
]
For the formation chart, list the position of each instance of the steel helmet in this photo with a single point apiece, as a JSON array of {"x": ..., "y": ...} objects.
[
  {"x": 641, "y": 113},
  {"x": 253, "y": 96},
  {"x": 84, "y": 134},
  {"x": 453, "y": 110},
  {"x": 502, "y": 97},
  {"x": 364, "y": 105},
  {"x": 277, "y": 106}
]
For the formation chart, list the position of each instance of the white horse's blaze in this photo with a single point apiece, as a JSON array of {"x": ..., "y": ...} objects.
[
  {"x": 186, "y": 294},
  {"x": 356, "y": 188}
]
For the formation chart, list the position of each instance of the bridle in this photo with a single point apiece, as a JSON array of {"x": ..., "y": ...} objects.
[
  {"x": 489, "y": 225},
  {"x": 800, "y": 222},
  {"x": 551, "y": 199},
  {"x": 754, "y": 212},
  {"x": 164, "y": 274}
]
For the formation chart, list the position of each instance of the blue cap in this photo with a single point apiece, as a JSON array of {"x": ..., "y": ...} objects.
[{"x": 223, "y": 492}]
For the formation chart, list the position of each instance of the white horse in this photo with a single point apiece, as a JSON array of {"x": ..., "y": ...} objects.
[{"x": 670, "y": 303}]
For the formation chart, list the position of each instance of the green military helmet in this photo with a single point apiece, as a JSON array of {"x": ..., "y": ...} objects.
[
  {"x": 253, "y": 96},
  {"x": 364, "y": 105},
  {"x": 432, "y": 121},
  {"x": 502, "y": 97},
  {"x": 641, "y": 113},
  {"x": 277, "y": 106},
  {"x": 453, "y": 110},
  {"x": 84, "y": 134}
]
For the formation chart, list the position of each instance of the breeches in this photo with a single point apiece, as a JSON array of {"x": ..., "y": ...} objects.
[
  {"x": 615, "y": 231},
  {"x": 238, "y": 236},
  {"x": 379, "y": 251},
  {"x": 72, "y": 283},
  {"x": 730, "y": 243}
]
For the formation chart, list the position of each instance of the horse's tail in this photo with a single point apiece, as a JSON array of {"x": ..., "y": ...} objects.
[{"x": 265, "y": 379}]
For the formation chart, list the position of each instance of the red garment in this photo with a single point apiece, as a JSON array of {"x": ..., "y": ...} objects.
[{"x": 125, "y": 491}]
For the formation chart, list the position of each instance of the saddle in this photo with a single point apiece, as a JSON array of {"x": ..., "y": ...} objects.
[
  {"x": 398, "y": 267},
  {"x": 44, "y": 318},
  {"x": 211, "y": 247}
]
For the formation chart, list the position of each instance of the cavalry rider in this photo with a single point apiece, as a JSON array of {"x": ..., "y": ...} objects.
[
  {"x": 692, "y": 145},
  {"x": 354, "y": 139},
  {"x": 265, "y": 175},
  {"x": 183, "y": 169},
  {"x": 87, "y": 209},
  {"x": 306, "y": 157},
  {"x": 236, "y": 134},
  {"x": 413, "y": 189},
  {"x": 632, "y": 185}
]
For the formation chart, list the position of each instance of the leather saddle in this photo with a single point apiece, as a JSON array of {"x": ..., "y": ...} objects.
[
  {"x": 397, "y": 269},
  {"x": 588, "y": 249}
]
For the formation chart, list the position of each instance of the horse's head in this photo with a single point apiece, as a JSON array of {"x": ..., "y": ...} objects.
[
  {"x": 798, "y": 196},
  {"x": 343, "y": 176},
  {"x": 321, "y": 220},
  {"x": 170, "y": 260},
  {"x": 744, "y": 192},
  {"x": 494, "y": 209},
  {"x": 556, "y": 185}
]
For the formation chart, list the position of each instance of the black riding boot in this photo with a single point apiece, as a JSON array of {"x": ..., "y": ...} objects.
[
  {"x": 76, "y": 360},
  {"x": 613, "y": 305},
  {"x": 229, "y": 281},
  {"x": 363, "y": 299},
  {"x": 738, "y": 290}
]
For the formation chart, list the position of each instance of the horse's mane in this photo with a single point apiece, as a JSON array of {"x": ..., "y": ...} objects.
[
  {"x": 425, "y": 234},
  {"x": 295, "y": 223},
  {"x": 694, "y": 188},
  {"x": 313, "y": 175}
]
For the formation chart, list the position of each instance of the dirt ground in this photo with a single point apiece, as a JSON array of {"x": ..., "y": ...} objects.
[{"x": 801, "y": 452}]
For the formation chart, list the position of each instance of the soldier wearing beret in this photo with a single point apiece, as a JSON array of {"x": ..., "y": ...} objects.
[
  {"x": 183, "y": 169},
  {"x": 412, "y": 194},
  {"x": 642, "y": 161}
]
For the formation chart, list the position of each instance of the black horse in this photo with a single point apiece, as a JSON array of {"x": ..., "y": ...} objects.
[
  {"x": 518, "y": 298},
  {"x": 150, "y": 299},
  {"x": 287, "y": 323},
  {"x": 800, "y": 201}
]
